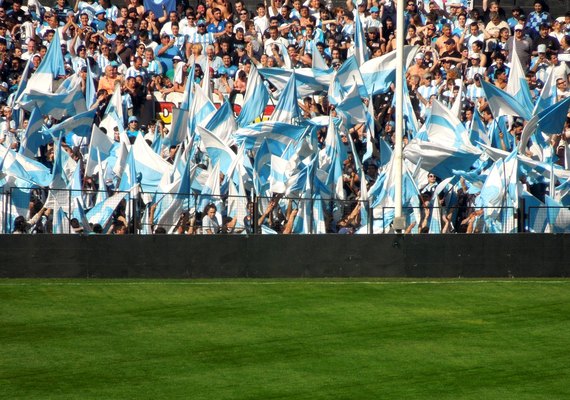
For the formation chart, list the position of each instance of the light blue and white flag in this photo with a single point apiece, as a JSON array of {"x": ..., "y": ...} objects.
[
  {"x": 278, "y": 135},
  {"x": 558, "y": 216},
  {"x": 445, "y": 128},
  {"x": 102, "y": 212},
  {"x": 287, "y": 109},
  {"x": 51, "y": 67},
  {"x": 60, "y": 221},
  {"x": 439, "y": 158},
  {"x": 178, "y": 128},
  {"x": 550, "y": 120},
  {"x": 308, "y": 81},
  {"x": 537, "y": 215},
  {"x": 478, "y": 130},
  {"x": 547, "y": 95},
  {"x": 59, "y": 105},
  {"x": 219, "y": 153},
  {"x": 279, "y": 174},
  {"x": 24, "y": 168},
  {"x": 255, "y": 99},
  {"x": 33, "y": 138},
  {"x": 90, "y": 89},
  {"x": 262, "y": 169},
  {"x": 211, "y": 192},
  {"x": 148, "y": 167},
  {"x": 362, "y": 54},
  {"x": 380, "y": 72},
  {"x": 502, "y": 103},
  {"x": 223, "y": 123},
  {"x": 493, "y": 198},
  {"x": 517, "y": 86},
  {"x": 99, "y": 143},
  {"x": 78, "y": 124},
  {"x": 318, "y": 62},
  {"x": 351, "y": 108},
  {"x": 202, "y": 110}
]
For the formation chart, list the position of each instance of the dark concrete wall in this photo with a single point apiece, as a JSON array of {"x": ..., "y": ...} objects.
[{"x": 74, "y": 256}]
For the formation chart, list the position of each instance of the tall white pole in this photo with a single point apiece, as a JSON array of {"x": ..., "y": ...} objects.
[{"x": 399, "y": 221}]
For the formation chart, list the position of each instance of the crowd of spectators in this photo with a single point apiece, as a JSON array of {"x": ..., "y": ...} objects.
[{"x": 150, "y": 54}]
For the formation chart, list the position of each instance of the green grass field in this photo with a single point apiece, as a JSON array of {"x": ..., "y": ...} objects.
[{"x": 285, "y": 339}]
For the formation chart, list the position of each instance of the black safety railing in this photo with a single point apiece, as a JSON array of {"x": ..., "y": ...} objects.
[{"x": 42, "y": 210}]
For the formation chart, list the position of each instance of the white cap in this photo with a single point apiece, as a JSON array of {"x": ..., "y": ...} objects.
[
  {"x": 541, "y": 48},
  {"x": 519, "y": 27}
]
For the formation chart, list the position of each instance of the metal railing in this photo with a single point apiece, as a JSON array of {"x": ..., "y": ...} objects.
[{"x": 41, "y": 210}]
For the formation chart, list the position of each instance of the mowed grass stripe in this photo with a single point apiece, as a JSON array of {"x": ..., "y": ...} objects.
[{"x": 292, "y": 339}]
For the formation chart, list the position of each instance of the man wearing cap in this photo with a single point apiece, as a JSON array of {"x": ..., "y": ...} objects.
[
  {"x": 475, "y": 68},
  {"x": 165, "y": 51},
  {"x": 540, "y": 64},
  {"x": 520, "y": 44},
  {"x": 100, "y": 21},
  {"x": 133, "y": 128},
  {"x": 451, "y": 53},
  {"x": 418, "y": 69},
  {"x": 202, "y": 36},
  {"x": 373, "y": 20}
]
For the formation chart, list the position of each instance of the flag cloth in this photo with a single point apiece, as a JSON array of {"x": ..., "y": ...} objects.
[
  {"x": 502, "y": 103},
  {"x": 255, "y": 99},
  {"x": 380, "y": 72}
]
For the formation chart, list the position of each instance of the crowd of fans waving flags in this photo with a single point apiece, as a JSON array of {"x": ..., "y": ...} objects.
[{"x": 214, "y": 163}]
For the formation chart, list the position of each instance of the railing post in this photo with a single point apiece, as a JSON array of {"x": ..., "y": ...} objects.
[
  {"x": 255, "y": 215},
  {"x": 311, "y": 219},
  {"x": 70, "y": 191},
  {"x": 521, "y": 216},
  {"x": 370, "y": 217},
  {"x": 134, "y": 214}
]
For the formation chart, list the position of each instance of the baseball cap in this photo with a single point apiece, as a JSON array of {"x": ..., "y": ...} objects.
[
  {"x": 518, "y": 27},
  {"x": 176, "y": 58},
  {"x": 133, "y": 119},
  {"x": 374, "y": 9},
  {"x": 541, "y": 48}
]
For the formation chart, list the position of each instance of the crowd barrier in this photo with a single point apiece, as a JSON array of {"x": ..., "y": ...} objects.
[{"x": 74, "y": 211}]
